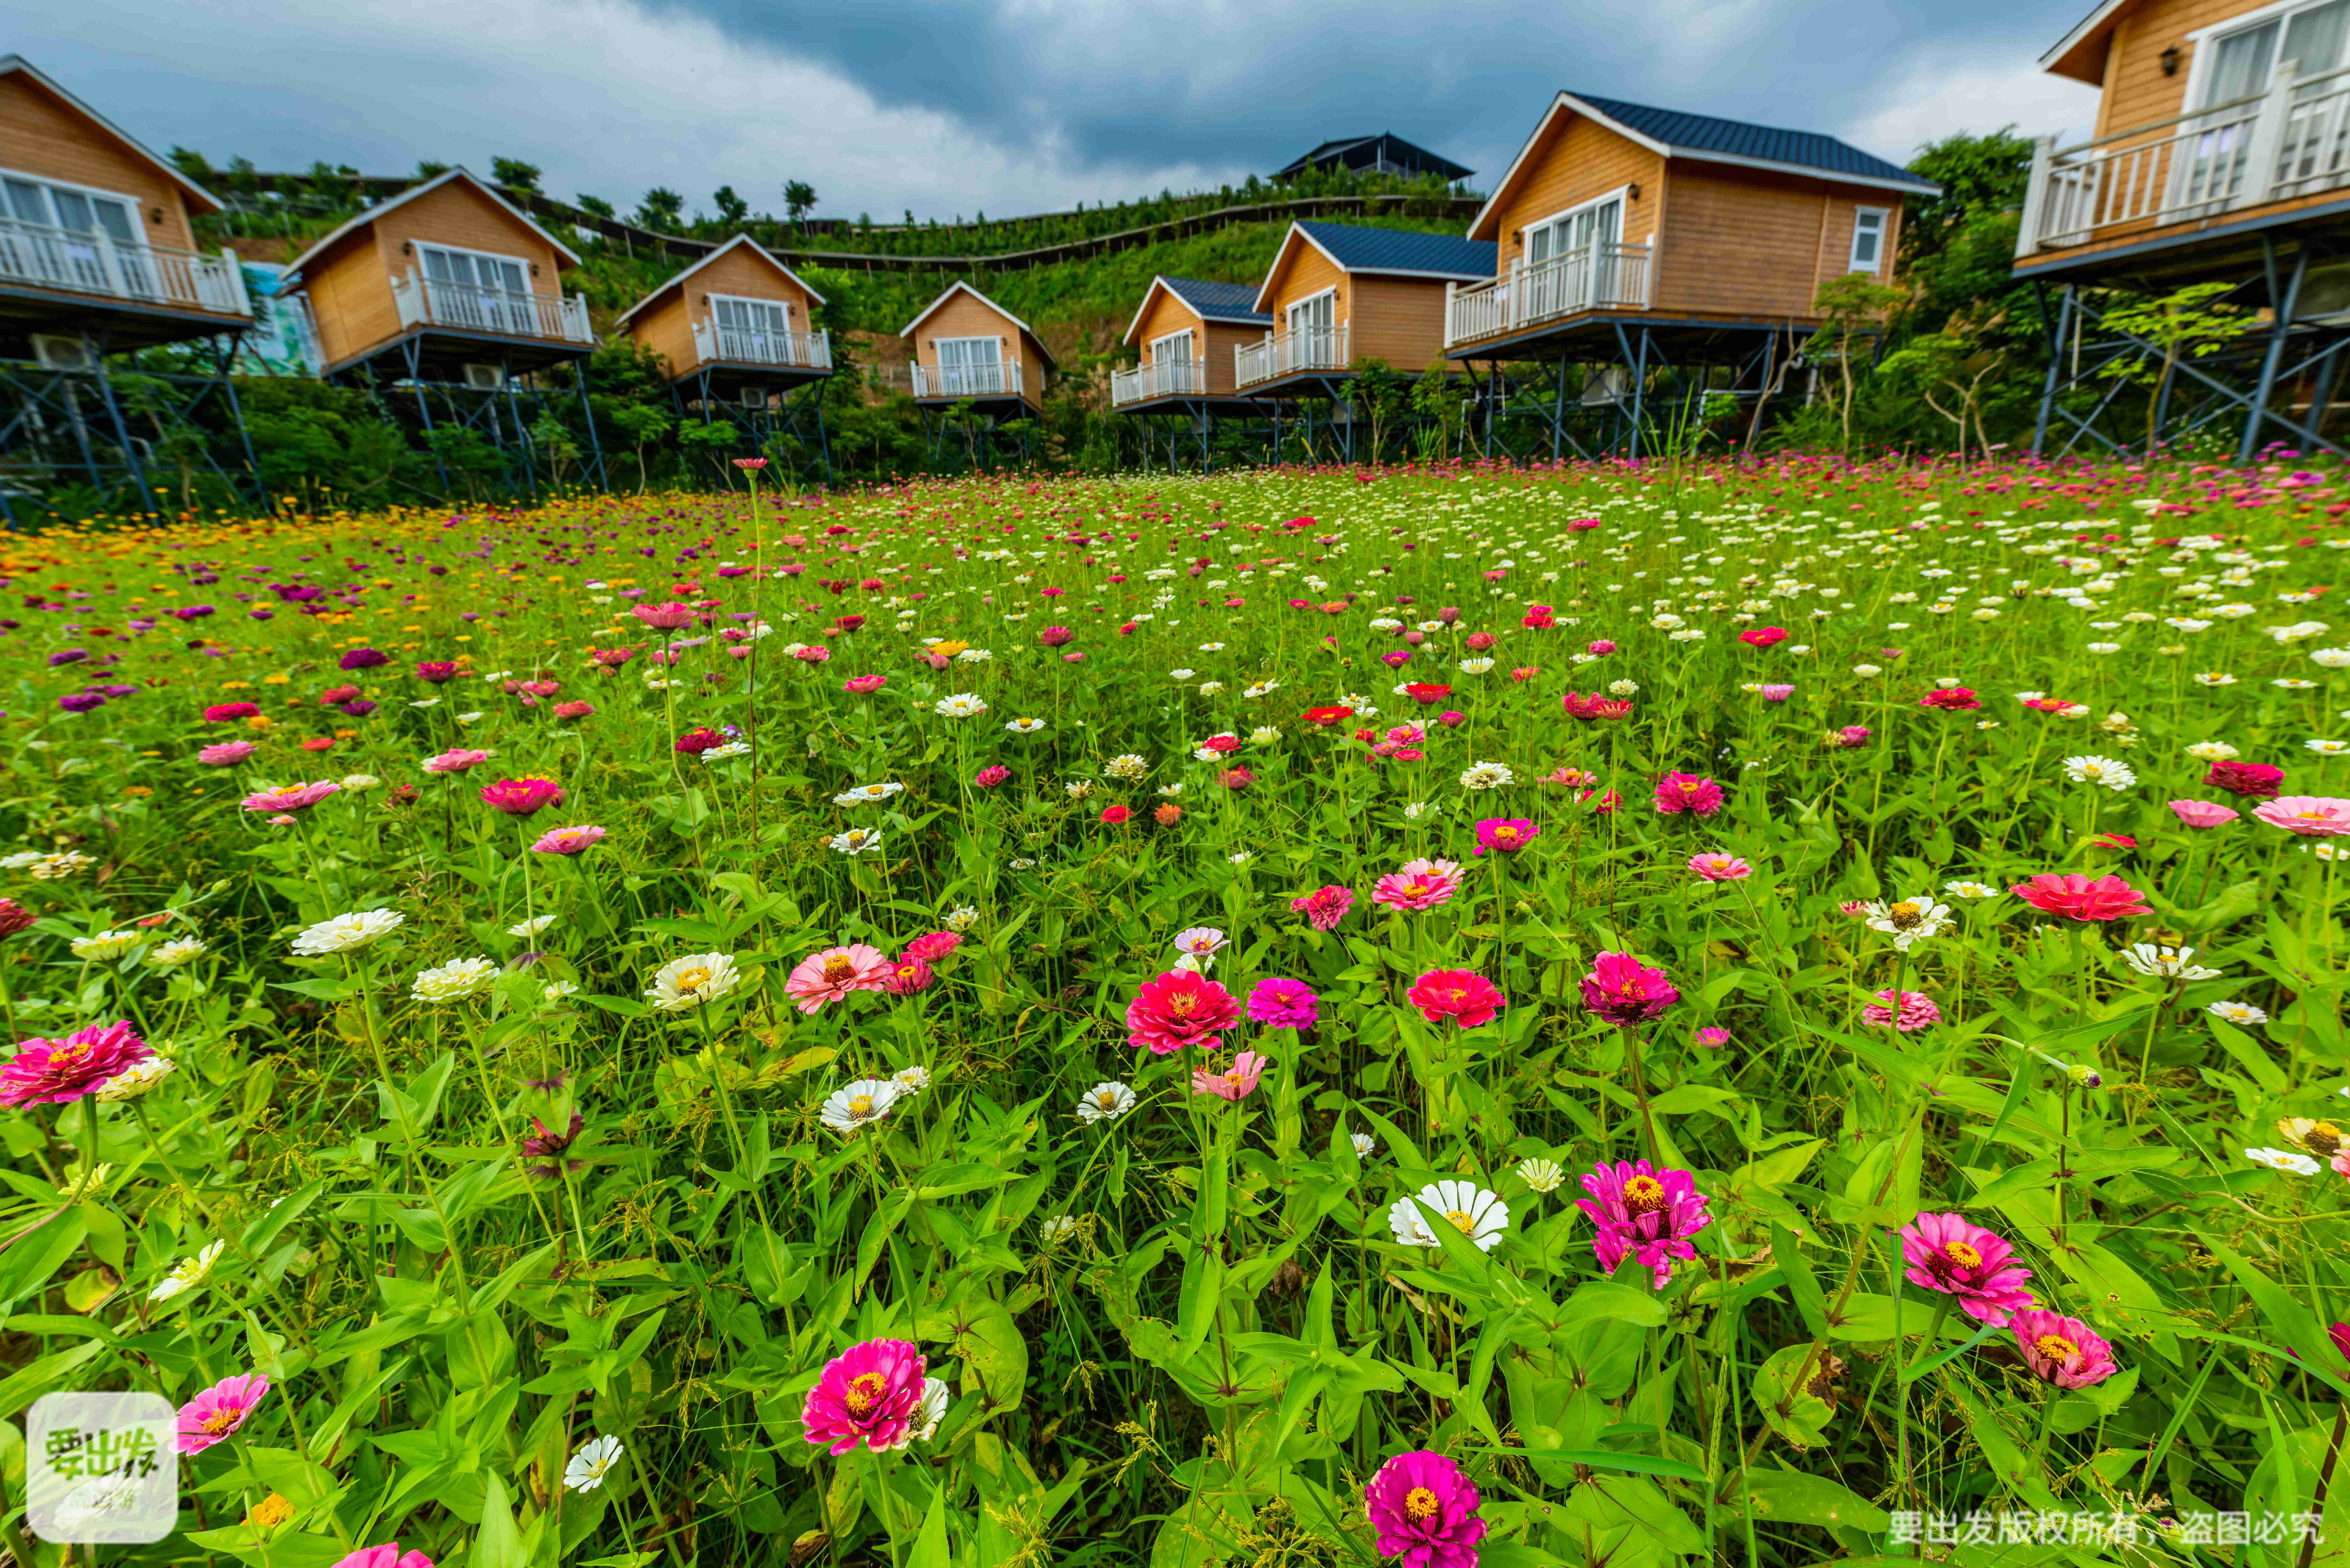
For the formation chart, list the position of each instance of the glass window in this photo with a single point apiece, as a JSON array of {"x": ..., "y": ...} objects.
[{"x": 1869, "y": 238}]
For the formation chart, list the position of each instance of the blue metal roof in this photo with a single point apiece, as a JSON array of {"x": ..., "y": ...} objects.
[
  {"x": 1402, "y": 250},
  {"x": 1738, "y": 139},
  {"x": 1220, "y": 301}
]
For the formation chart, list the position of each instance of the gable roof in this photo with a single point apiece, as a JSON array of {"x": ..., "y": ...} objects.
[
  {"x": 1229, "y": 302},
  {"x": 960, "y": 287},
  {"x": 294, "y": 268},
  {"x": 2080, "y": 54},
  {"x": 11, "y": 65},
  {"x": 1386, "y": 253},
  {"x": 1674, "y": 133},
  {"x": 1390, "y": 144},
  {"x": 764, "y": 254}
]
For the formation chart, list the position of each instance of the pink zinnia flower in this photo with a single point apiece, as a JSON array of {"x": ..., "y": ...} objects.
[
  {"x": 1719, "y": 867},
  {"x": 1776, "y": 692},
  {"x": 664, "y": 618},
  {"x": 1963, "y": 1260},
  {"x": 1762, "y": 636},
  {"x": 1644, "y": 1214},
  {"x": 695, "y": 741},
  {"x": 218, "y": 1411},
  {"x": 1180, "y": 1008},
  {"x": 222, "y": 712},
  {"x": 1506, "y": 834},
  {"x": 293, "y": 797},
  {"x": 1712, "y": 1037},
  {"x": 907, "y": 976},
  {"x": 2255, "y": 779},
  {"x": 568, "y": 840},
  {"x": 1678, "y": 793},
  {"x": 2203, "y": 813},
  {"x": 1423, "y": 1510},
  {"x": 834, "y": 974},
  {"x": 1235, "y": 1082},
  {"x": 226, "y": 754},
  {"x": 2310, "y": 816},
  {"x": 1324, "y": 907},
  {"x": 1916, "y": 1011},
  {"x": 1420, "y": 885},
  {"x": 990, "y": 776},
  {"x": 864, "y": 685},
  {"x": 389, "y": 1555},
  {"x": 1625, "y": 991},
  {"x": 1951, "y": 699},
  {"x": 2078, "y": 898},
  {"x": 54, "y": 1072},
  {"x": 935, "y": 946},
  {"x": 869, "y": 1394},
  {"x": 2062, "y": 1350},
  {"x": 1279, "y": 1003},
  {"x": 1467, "y": 998},
  {"x": 455, "y": 760},
  {"x": 522, "y": 798}
]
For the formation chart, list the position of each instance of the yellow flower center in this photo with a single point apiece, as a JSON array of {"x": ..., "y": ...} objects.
[
  {"x": 1904, "y": 914},
  {"x": 219, "y": 1423},
  {"x": 693, "y": 979},
  {"x": 2057, "y": 1349},
  {"x": 838, "y": 968},
  {"x": 1418, "y": 1503},
  {"x": 1107, "y": 1099},
  {"x": 864, "y": 1393},
  {"x": 861, "y": 1106},
  {"x": 1962, "y": 1254},
  {"x": 1464, "y": 1224},
  {"x": 270, "y": 1511},
  {"x": 1644, "y": 1195}
]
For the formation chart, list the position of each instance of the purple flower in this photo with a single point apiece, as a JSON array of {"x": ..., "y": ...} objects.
[
  {"x": 1643, "y": 1213},
  {"x": 1424, "y": 1509},
  {"x": 65, "y": 656},
  {"x": 362, "y": 659},
  {"x": 80, "y": 701},
  {"x": 1283, "y": 1004}
]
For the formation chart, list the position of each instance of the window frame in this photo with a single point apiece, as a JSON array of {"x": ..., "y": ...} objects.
[
  {"x": 521, "y": 263},
  {"x": 1622, "y": 193},
  {"x": 1884, "y": 231}
]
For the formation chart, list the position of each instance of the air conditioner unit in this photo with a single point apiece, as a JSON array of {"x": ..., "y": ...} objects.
[
  {"x": 754, "y": 397},
  {"x": 1608, "y": 386},
  {"x": 56, "y": 351},
  {"x": 484, "y": 378}
]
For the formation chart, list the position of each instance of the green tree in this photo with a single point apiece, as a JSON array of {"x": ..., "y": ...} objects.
[
  {"x": 428, "y": 169},
  {"x": 643, "y": 425},
  {"x": 1948, "y": 369},
  {"x": 799, "y": 200},
  {"x": 596, "y": 206},
  {"x": 513, "y": 173},
  {"x": 1856, "y": 306},
  {"x": 660, "y": 210},
  {"x": 731, "y": 208},
  {"x": 2186, "y": 324}
]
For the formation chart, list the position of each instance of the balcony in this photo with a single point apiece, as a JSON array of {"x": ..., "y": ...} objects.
[
  {"x": 2292, "y": 139},
  {"x": 1288, "y": 353},
  {"x": 784, "y": 350},
  {"x": 990, "y": 378},
  {"x": 94, "y": 263},
  {"x": 1596, "y": 276},
  {"x": 1164, "y": 378},
  {"x": 461, "y": 307}
]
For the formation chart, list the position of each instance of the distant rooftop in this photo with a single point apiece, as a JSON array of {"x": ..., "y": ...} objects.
[
  {"x": 1386, "y": 153},
  {"x": 1218, "y": 301},
  {"x": 1704, "y": 133}
]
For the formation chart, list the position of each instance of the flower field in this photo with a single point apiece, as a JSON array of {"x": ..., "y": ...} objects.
[{"x": 1777, "y": 1014}]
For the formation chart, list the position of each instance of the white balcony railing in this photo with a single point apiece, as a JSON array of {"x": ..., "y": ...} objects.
[
  {"x": 94, "y": 263},
  {"x": 1287, "y": 353},
  {"x": 2290, "y": 139},
  {"x": 462, "y": 307},
  {"x": 1596, "y": 276},
  {"x": 990, "y": 378},
  {"x": 1162, "y": 379},
  {"x": 792, "y": 350}
]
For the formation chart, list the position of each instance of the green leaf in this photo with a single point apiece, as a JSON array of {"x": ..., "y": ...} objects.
[
  {"x": 1802, "y": 1283},
  {"x": 1606, "y": 1459},
  {"x": 1791, "y": 1497}
]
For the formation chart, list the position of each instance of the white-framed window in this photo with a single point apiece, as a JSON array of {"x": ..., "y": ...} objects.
[
  {"x": 2235, "y": 58},
  {"x": 1175, "y": 348},
  {"x": 1315, "y": 313},
  {"x": 759, "y": 329},
  {"x": 63, "y": 224},
  {"x": 1598, "y": 221},
  {"x": 970, "y": 367},
  {"x": 485, "y": 270},
  {"x": 477, "y": 290},
  {"x": 1869, "y": 226}
]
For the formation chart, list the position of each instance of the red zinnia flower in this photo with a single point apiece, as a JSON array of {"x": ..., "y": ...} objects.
[
  {"x": 1180, "y": 1008},
  {"x": 1466, "y": 997},
  {"x": 2257, "y": 780},
  {"x": 1625, "y": 991},
  {"x": 2079, "y": 897}
]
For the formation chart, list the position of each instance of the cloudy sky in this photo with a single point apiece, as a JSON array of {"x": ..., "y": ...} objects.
[{"x": 951, "y": 107}]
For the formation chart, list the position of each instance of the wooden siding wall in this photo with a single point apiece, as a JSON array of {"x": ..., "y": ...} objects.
[
  {"x": 1167, "y": 313},
  {"x": 1575, "y": 161},
  {"x": 1217, "y": 347},
  {"x": 42, "y": 135},
  {"x": 1399, "y": 320},
  {"x": 667, "y": 327},
  {"x": 349, "y": 288},
  {"x": 1305, "y": 272},
  {"x": 966, "y": 317},
  {"x": 1747, "y": 243}
]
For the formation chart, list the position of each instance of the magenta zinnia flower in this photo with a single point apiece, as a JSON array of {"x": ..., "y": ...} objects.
[
  {"x": 1324, "y": 907},
  {"x": 1507, "y": 833},
  {"x": 546, "y": 1144},
  {"x": 1180, "y": 1008},
  {"x": 1279, "y": 1003},
  {"x": 568, "y": 840},
  {"x": 834, "y": 973},
  {"x": 2203, "y": 813},
  {"x": 56, "y": 1072},
  {"x": 218, "y": 1411},
  {"x": 869, "y": 1394},
  {"x": 1625, "y": 991},
  {"x": 293, "y": 797},
  {"x": 388, "y": 1555},
  {"x": 226, "y": 754},
  {"x": 1420, "y": 885},
  {"x": 2078, "y": 898},
  {"x": 1916, "y": 1010},
  {"x": 935, "y": 946},
  {"x": 1963, "y": 1260},
  {"x": 907, "y": 976},
  {"x": 1465, "y": 997},
  {"x": 1678, "y": 793},
  {"x": 1719, "y": 868},
  {"x": 1423, "y": 1510},
  {"x": 2062, "y": 1350},
  {"x": 2310, "y": 816},
  {"x": 522, "y": 798},
  {"x": 2258, "y": 779},
  {"x": 1644, "y": 1214},
  {"x": 455, "y": 760},
  {"x": 1236, "y": 1083},
  {"x": 664, "y": 618}
]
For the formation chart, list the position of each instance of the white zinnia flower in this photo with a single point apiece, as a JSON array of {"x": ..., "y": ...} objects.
[
  {"x": 172, "y": 954},
  {"x": 2104, "y": 771},
  {"x": 962, "y": 919},
  {"x": 1105, "y": 1102},
  {"x": 1487, "y": 775},
  {"x": 2166, "y": 964},
  {"x": 859, "y": 1104},
  {"x": 137, "y": 1079},
  {"x": 1908, "y": 920},
  {"x": 961, "y": 705},
  {"x": 867, "y": 794},
  {"x": 531, "y": 926},
  {"x": 1542, "y": 1175},
  {"x": 452, "y": 982},
  {"x": 1200, "y": 941},
  {"x": 1365, "y": 1144},
  {"x": 2213, "y": 752},
  {"x": 587, "y": 1466},
  {"x": 1478, "y": 1214},
  {"x": 187, "y": 1274},
  {"x": 345, "y": 932},
  {"x": 930, "y": 1412},
  {"x": 2241, "y": 1012},
  {"x": 59, "y": 867},
  {"x": 857, "y": 841},
  {"x": 1970, "y": 890},
  {"x": 105, "y": 945},
  {"x": 1024, "y": 726},
  {"x": 690, "y": 981},
  {"x": 2291, "y": 1161}
]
